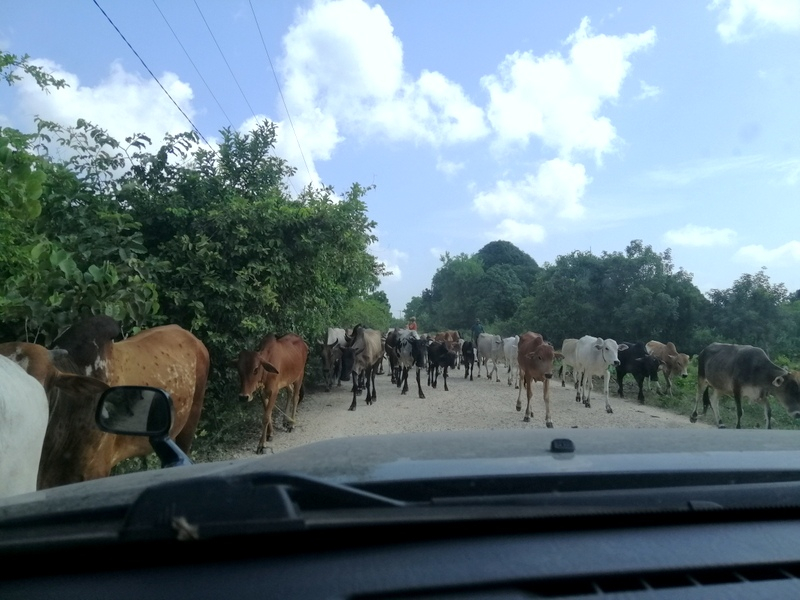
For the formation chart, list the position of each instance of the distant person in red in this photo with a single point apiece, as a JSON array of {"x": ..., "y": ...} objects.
[{"x": 412, "y": 324}]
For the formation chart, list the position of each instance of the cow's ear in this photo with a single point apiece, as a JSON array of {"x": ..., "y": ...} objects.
[
  {"x": 268, "y": 367},
  {"x": 558, "y": 355},
  {"x": 622, "y": 347},
  {"x": 671, "y": 356},
  {"x": 778, "y": 381},
  {"x": 598, "y": 344}
]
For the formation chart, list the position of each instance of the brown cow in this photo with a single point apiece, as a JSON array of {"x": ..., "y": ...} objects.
[
  {"x": 672, "y": 362},
  {"x": 167, "y": 357},
  {"x": 278, "y": 363},
  {"x": 535, "y": 358}
]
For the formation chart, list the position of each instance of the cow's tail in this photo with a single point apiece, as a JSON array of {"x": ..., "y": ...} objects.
[
  {"x": 706, "y": 401},
  {"x": 560, "y": 371}
]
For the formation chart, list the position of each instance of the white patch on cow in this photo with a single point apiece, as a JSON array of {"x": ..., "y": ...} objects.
[{"x": 21, "y": 359}]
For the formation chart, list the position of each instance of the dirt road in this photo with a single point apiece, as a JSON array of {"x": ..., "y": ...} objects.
[{"x": 478, "y": 404}]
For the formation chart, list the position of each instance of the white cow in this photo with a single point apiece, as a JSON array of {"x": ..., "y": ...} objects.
[
  {"x": 490, "y": 347},
  {"x": 568, "y": 348},
  {"x": 593, "y": 356},
  {"x": 510, "y": 345},
  {"x": 23, "y": 422}
]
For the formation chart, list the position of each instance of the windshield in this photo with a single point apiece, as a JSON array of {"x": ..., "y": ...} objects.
[{"x": 325, "y": 219}]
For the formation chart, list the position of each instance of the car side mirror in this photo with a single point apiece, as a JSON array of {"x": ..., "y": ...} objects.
[{"x": 141, "y": 411}]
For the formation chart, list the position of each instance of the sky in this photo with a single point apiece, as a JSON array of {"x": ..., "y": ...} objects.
[{"x": 557, "y": 126}]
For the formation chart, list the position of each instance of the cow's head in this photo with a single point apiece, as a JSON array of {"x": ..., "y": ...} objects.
[
  {"x": 252, "y": 371},
  {"x": 540, "y": 359},
  {"x": 609, "y": 350},
  {"x": 787, "y": 389}
]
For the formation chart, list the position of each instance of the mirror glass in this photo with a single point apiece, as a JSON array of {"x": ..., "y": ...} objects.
[{"x": 135, "y": 410}]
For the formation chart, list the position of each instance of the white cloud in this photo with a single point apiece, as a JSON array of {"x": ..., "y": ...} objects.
[
  {"x": 557, "y": 188},
  {"x": 558, "y": 99},
  {"x": 436, "y": 252},
  {"x": 741, "y": 19},
  {"x": 390, "y": 257},
  {"x": 759, "y": 255},
  {"x": 788, "y": 170},
  {"x": 648, "y": 91},
  {"x": 123, "y": 103},
  {"x": 344, "y": 75},
  {"x": 448, "y": 167},
  {"x": 695, "y": 235},
  {"x": 518, "y": 232}
]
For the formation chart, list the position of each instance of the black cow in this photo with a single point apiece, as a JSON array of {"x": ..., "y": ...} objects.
[
  {"x": 744, "y": 371},
  {"x": 390, "y": 346},
  {"x": 638, "y": 362},
  {"x": 468, "y": 358},
  {"x": 439, "y": 356}
]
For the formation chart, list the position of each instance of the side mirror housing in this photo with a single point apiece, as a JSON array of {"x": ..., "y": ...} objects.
[{"x": 141, "y": 411}]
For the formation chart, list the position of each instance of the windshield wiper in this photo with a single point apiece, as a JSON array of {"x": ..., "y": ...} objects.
[{"x": 214, "y": 506}]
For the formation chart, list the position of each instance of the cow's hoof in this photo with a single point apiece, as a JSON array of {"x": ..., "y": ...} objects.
[
  {"x": 693, "y": 418},
  {"x": 721, "y": 426},
  {"x": 421, "y": 395},
  {"x": 519, "y": 407},
  {"x": 403, "y": 393},
  {"x": 526, "y": 419},
  {"x": 516, "y": 387},
  {"x": 509, "y": 384},
  {"x": 549, "y": 424},
  {"x": 587, "y": 405},
  {"x": 608, "y": 410},
  {"x": 260, "y": 450},
  {"x": 352, "y": 408}
]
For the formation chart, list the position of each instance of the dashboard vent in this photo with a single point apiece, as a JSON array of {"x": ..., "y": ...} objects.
[{"x": 600, "y": 586}]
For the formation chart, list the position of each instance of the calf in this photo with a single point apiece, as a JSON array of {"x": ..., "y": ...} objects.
[
  {"x": 278, "y": 363},
  {"x": 535, "y": 358},
  {"x": 510, "y": 353},
  {"x": 331, "y": 354},
  {"x": 593, "y": 356},
  {"x": 439, "y": 356},
  {"x": 490, "y": 347},
  {"x": 635, "y": 360},
  {"x": 673, "y": 363},
  {"x": 362, "y": 354},
  {"x": 744, "y": 371},
  {"x": 468, "y": 358},
  {"x": 409, "y": 354}
]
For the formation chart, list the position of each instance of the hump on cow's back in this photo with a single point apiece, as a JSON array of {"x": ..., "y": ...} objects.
[{"x": 84, "y": 339}]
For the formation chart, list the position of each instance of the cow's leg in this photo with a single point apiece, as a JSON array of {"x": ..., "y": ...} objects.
[
  {"x": 496, "y": 371},
  {"x": 429, "y": 374},
  {"x": 404, "y": 378},
  {"x": 702, "y": 386},
  {"x": 510, "y": 375},
  {"x": 519, "y": 394},
  {"x": 466, "y": 370},
  {"x": 669, "y": 385},
  {"x": 640, "y": 382},
  {"x": 337, "y": 370},
  {"x": 289, "y": 420},
  {"x": 620, "y": 377},
  {"x": 471, "y": 366},
  {"x": 371, "y": 375},
  {"x": 269, "y": 400},
  {"x": 606, "y": 382},
  {"x": 419, "y": 385},
  {"x": 737, "y": 398},
  {"x": 353, "y": 405},
  {"x": 529, "y": 394},
  {"x": 548, "y": 421},
  {"x": 588, "y": 384},
  {"x": 578, "y": 388},
  {"x": 767, "y": 412},
  {"x": 444, "y": 376},
  {"x": 714, "y": 401}
]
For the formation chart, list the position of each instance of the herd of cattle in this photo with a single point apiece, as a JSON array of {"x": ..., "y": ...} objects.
[{"x": 48, "y": 436}]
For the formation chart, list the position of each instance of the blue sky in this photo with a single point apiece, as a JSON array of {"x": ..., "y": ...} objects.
[{"x": 557, "y": 126}]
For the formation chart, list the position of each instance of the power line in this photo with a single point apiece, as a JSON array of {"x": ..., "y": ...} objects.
[
  {"x": 275, "y": 75},
  {"x": 151, "y": 73},
  {"x": 225, "y": 59},
  {"x": 194, "y": 65}
]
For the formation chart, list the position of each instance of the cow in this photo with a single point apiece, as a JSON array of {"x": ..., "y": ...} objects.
[
  {"x": 673, "y": 363},
  {"x": 279, "y": 362},
  {"x": 362, "y": 354},
  {"x": 593, "y": 356},
  {"x": 451, "y": 339},
  {"x": 410, "y": 350},
  {"x": 468, "y": 358},
  {"x": 23, "y": 422},
  {"x": 167, "y": 357},
  {"x": 391, "y": 351},
  {"x": 510, "y": 353},
  {"x": 638, "y": 362},
  {"x": 490, "y": 347},
  {"x": 535, "y": 358},
  {"x": 440, "y": 356},
  {"x": 746, "y": 371},
  {"x": 568, "y": 347},
  {"x": 331, "y": 353}
]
